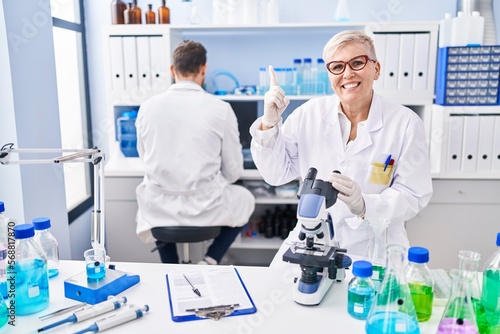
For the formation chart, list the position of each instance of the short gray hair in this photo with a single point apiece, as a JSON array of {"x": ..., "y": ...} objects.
[{"x": 342, "y": 38}]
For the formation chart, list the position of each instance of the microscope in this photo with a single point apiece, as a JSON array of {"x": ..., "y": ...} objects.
[{"x": 321, "y": 260}]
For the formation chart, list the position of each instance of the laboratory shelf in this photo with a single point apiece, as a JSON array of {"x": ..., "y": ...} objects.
[
  {"x": 257, "y": 242},
  {"x": 261, "y": 97}
]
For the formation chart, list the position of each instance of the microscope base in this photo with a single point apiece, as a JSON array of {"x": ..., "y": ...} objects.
[
  {"x": 303, "y": 294},
  {"x": 80, "y": 288}
]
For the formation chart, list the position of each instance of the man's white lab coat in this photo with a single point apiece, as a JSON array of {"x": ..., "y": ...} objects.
[{"x": 189, "y": 144}]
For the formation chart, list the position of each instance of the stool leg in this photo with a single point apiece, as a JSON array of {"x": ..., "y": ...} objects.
[{"x": 185, "y": 251}]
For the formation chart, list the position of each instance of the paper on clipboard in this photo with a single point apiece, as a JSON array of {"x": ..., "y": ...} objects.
[{"x": 218, "y": 286}]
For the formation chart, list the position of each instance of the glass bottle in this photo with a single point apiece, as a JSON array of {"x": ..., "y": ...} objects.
[
  {"x": 4, "y": 312},
  {"x": 360, "y": 291},
  {"x": 420, "y": 281},
  {"x": 163, "y": 13},
  {"x": 393, "y": 310},
  {"x": 31, "y": 275},
  {"x": 117, "y": 9},
  {"x": 48, "y": 243},
  {"x": 469, "y": 262},
  {"x": 491, "y": 290},
  {"x": 138, "y": 12},
  {"x": 150, "y": 15},
  {"x": 459, "y": 316},
  {"x": 376, "y": 250},
  {"x": 4, "y": 221}
]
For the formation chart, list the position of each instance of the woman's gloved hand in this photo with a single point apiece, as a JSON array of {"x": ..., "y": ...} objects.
[
  {"x": 349, "y": 193},
  {"x": 275, "y": 102}
]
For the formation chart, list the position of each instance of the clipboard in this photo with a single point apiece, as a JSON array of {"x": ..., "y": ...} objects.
[{"x": 223, "y": 293}]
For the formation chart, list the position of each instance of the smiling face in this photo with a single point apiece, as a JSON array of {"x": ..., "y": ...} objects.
[{"x": 354, "y": 88}]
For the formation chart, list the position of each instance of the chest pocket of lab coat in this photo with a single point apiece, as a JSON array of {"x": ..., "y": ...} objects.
[{"x": 376, "y": 179}]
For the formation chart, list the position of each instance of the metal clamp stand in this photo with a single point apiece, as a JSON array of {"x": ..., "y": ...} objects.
[{"x": 79, "y": 287}]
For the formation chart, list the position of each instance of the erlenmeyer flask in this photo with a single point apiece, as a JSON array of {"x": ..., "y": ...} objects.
[
  {"x": 459, "y": 317},
  {"x": 469, "y": 262},
  {"x": 376, "y": 250},
  {"x": 393, "y": 311}
]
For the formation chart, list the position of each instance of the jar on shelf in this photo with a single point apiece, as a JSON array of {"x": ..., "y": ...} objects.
[
  {"x": 163, "y": 13},
  {"x": 150, "y": 15},
  {"x": 117, "y": 9}
]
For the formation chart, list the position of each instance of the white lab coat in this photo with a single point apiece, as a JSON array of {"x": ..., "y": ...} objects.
[
  {"x": 189, "y": 144},
  {"x": 311, "y": 137}
]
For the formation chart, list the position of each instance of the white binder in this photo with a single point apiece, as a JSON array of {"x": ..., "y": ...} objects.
[
  {"x": 455, "y": 136},
  {"x": 485, "y": 145},
  {"x": 158, "y": 64},
  {"x": 379, "y": 41},
  {"x": 391, "y": 61},
  {"x": 130, "y": 63},
  {"x": 406, "y": 56},
  {"x": 470, "y": 143},
  {"x": 421, "y": 64},
  {"x": 116, "y": 64},
  {"x": 495, "y": 161},
  {"x": 143, "y": 63}
]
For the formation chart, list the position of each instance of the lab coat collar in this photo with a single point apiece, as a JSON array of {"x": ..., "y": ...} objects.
[
  {"x": 186, "y": 85},
  {"x": 374, "y": 122}
]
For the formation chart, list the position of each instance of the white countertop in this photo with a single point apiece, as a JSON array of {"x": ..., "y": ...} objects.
[{"x": 270, "y": 289}]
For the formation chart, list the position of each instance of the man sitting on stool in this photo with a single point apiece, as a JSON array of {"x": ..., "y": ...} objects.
[{"x": 188, "y": 141}]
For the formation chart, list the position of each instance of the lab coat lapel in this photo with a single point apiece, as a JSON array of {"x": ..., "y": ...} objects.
[
  {"x": 373, "y": 123},
  {"x": 333, "y": 134}
]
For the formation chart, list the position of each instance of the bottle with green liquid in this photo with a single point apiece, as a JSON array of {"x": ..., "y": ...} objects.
[
  {"x": 490, "y": 297},
  {"x": 376, "y": 250},
  {"x": 420, "y": 281}
]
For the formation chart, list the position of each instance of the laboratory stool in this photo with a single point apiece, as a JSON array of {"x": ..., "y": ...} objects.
[{"x": 184, "y": 235}]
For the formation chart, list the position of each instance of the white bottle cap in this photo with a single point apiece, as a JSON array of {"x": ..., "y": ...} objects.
[
  {"x": 447, "y": 16},
  {"x": 475, "y": 14}
]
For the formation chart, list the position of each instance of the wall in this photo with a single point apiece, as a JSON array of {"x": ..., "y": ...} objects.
[{"x": 31, "y": 110}]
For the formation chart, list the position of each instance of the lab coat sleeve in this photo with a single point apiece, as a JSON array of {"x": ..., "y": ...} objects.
[
  {"x": 275, "y": 153},
  {"x": 232, "y": 156},
  {"x": 411, "y": 189}
]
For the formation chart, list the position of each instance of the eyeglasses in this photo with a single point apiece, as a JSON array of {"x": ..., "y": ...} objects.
[{"x": 356, "y": 64}]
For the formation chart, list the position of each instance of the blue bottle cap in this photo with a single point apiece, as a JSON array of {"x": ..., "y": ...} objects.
[
  {"x": 418, "y": 254},
  {"x": 307, "y": 60},
  {"x": 498, "y": 239},
  {"x": 297, "y": 61},
  {"x": 24, "y": 231},
  {"x": 320, "y": 61},
  {"x": 362, "y": 269},
  {"x": 41, "y": 223},
  {"x": 2, "y": 207}
]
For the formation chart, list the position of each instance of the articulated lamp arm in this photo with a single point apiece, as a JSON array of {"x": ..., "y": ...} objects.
[{"x": 93, "y": 155}]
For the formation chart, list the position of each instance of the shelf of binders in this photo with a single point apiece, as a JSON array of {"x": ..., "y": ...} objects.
[{"x": 465, "y": 142}]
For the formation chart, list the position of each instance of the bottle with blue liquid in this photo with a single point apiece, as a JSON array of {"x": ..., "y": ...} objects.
[
  {"x": 393, "y": 311},
  {"x": 361, "y": 290},
  {"x": 4, "y": 221},
  {"x": 31, "y": 274},
  {"x": 47, "y": 243}
]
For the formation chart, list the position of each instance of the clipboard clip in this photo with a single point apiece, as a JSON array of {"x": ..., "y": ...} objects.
[{"x": 214, "y": 312}]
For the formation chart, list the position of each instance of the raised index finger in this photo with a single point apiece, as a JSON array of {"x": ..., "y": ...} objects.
[{"x": 272, "y": 76}]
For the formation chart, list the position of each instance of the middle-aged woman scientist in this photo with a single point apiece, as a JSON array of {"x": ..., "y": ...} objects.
[{"x": 356, "y": 132}]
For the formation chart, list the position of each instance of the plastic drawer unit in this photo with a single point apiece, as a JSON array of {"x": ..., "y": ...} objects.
[{"x": 468, "y": 75}]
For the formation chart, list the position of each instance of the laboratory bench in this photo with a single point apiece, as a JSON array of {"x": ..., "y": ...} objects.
[{"x": 269, "y": 287}]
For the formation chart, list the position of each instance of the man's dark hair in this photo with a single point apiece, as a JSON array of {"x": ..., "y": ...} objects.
[{"x": 188, "y": 57}]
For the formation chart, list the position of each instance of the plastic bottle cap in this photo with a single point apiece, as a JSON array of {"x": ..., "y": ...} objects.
[
  {"x": 307, "y": 60},
  {"x": 498, "y": 239},
  {"x": 297, "y": 61},
  {"x": 475, "y": 14},
  {"x": 362, "y": 269},
  {"x": 24, "y": 231},
  {"x": 320, "y": 61},
  {"x": 447, "y": 16},
  {"x": 418, "y": 254},
  {"x": 41, "y": 223},
  {"x": 2, "y": 207}
]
